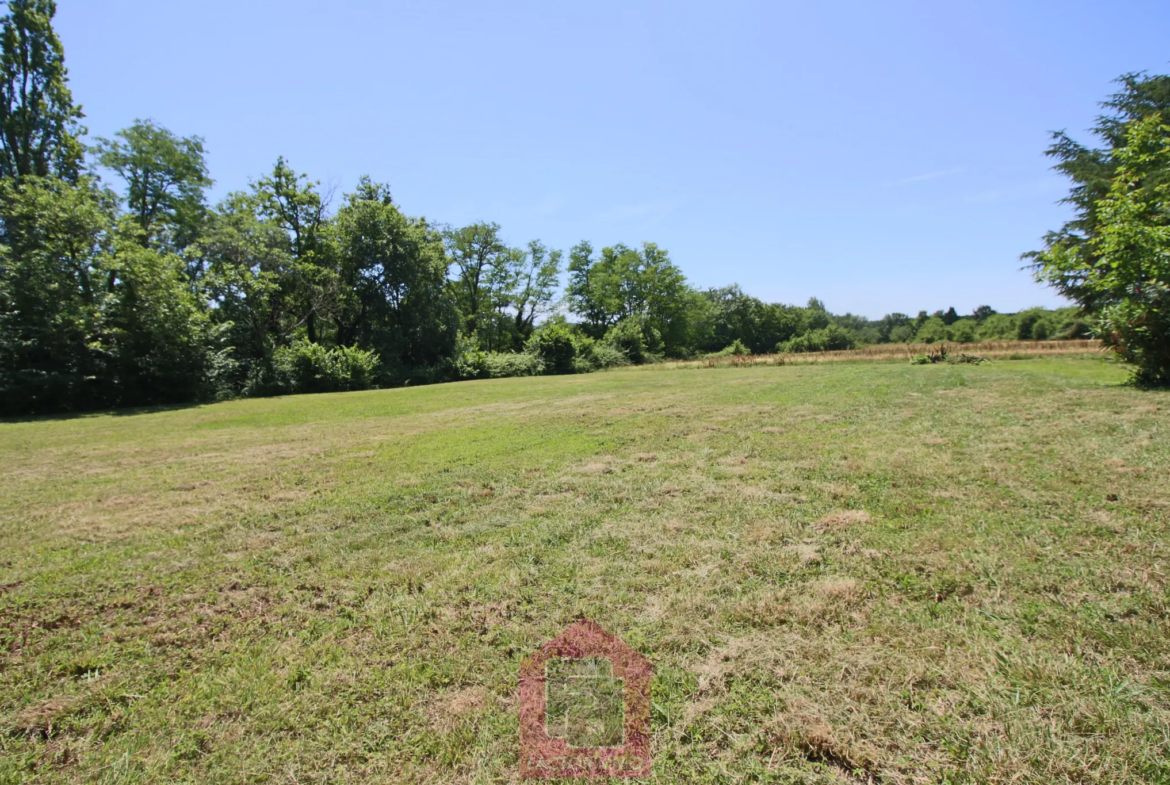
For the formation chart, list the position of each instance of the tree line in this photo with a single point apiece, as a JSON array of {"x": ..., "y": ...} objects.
[{"x": 147, "y": 294}]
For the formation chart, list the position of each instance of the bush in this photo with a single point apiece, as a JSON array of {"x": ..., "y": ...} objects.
[
  {"x": 998, "y": 327},
  {"x": 468, "y": 361},
  {"x": 606, "y": 355},
  {"x": 903, "y": 333},
  {"x": 306, "y": 367},
  {"x": 932, "y": 330},
  {"x": 555, "y": 346},
  {"x": 498, "y": 365},
  {"x": 1026, "y": 322},
  {"x": 636, "y": 338},
  {"x": 736, "y": 347},
  {"x": 827, "y": 339},
  {"x": 963, "y": 331},
  {"x": 1139, "y": 331}
]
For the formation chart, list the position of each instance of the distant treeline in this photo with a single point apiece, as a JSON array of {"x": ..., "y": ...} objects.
[{"x": 149, "y": 295}]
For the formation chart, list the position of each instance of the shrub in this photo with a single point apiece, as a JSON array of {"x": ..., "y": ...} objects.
[
  {"x": 998, "y": 327},
  {"x": 903, "y": 333},
  {"x": 737, "y": 347},
  {"x": 306, "y": 367},
  {"x": 932, "y": 330},
  {"x": 833, "y": 338},
  {"x": 963, "y": 331},
  {"x": 468, "y": 361},
  {"x": 555, "y": 346},
  {"x": 498, "y": 365},
  {"x": 606, "y": 355},
  {"x": 636, "y": 338}
]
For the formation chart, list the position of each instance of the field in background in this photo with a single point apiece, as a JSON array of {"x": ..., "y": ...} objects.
[
  {"x": 992, "y": 350},
  {"x": 842, "y": 573}
]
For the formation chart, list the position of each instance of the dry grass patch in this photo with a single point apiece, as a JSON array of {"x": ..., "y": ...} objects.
[
  {"x": 842, "y": 520},
  {"x": 455, "y": 708}
]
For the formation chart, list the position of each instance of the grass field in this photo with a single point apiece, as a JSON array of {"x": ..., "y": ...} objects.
[{"x": 841, "y": 573}]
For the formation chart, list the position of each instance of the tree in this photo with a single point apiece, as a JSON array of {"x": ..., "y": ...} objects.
[
  {"x": 392, "y": 270},
  {"x": 623, "y": 283},
  {"x": 536, "y": 275},
  {"x": 933, "y": 329},
  {"x": 476, "y": 251},
  {"x": 890, "y": 322},
  {"x": 816, "y": 316},
  {"x": 737, "y": 316},
  {"x": 165, "y": 178},
  {"x": 51, "y": 289},
  {"x": 39, "y": 124},
  {"x": 155, "y": 329},
  {"x": 88, "y": 317},
  {"x": 982, "y": 312},
  {"x": 1121, "y": 269},
  {"x": 1092, "y": 172},
  {"x": 293, "y": 203},
  {"x": 249, "y": 283},
  {"x": 951, "y": 316}
]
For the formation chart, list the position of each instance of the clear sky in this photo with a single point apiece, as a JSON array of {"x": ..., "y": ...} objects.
[{"x": 883, "y": 156}]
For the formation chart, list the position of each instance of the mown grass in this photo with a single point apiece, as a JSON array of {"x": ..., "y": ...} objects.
[{"x": 842, "y": 573}]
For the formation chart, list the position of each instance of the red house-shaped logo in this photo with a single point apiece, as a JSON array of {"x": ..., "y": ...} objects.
[{"x": 544, "y": 755}]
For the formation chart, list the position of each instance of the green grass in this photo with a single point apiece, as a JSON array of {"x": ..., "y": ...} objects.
[{"x": 841, "y": 573}]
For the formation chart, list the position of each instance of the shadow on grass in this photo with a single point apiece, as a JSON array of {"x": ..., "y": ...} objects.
[{"x": 126, "y": 411}]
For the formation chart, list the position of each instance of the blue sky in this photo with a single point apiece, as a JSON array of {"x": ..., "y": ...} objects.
[{"x": 881, "y": 156}]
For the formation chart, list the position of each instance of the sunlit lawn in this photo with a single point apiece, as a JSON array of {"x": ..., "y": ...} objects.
[{"x": 841, "y": 573}]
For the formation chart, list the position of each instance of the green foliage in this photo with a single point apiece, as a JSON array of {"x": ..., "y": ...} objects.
[
  {"x": 636, "y": 338},
  {"x": 497, "y": 365},
  {"x": 479, "y": 255},
  {"x": 603, "y": 354},
  {"x": 88, "y": 316},
  {"x": 469, "y": 360},
  {"x": 1072, "y": 253},
  {"x": 826, "y": 339},
  {"x": 39, "y": 123},
  {"x": 736, "y": 347},
  {"x": 964, "y": 331},
  {"x": 735, "y": 316},
  {"x": 391, "y": 275},
  {"x": 998, "y": 327},
  {"x": 1121, "y": 269},
  {"x": 306, "y": 367},
  {"x": 903, "y": 333},
  {"x": 165, "y": 179},
  {"x": 555, "y": 345},
  {"x": 622, "y": 283},
  {"x": 932, "y": 330},
  {"x": 156, "y": 332}
]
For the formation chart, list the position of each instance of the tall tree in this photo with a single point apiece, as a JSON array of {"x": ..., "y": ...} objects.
[
  {"x": 534, "y": 290},
  {"x": 1092, "y": 171},
  {"x": 622, "y": 283},
  {"x": 165, "y": 178},
  {"x": 393, "y": 272},
  {"x": 39, "y": 124},
  {"x": 249, "y": 283},
  {"x": 1122, "y": 268},
  {"x": 51, "y": 291},
  {"x": 289, "y": 200},
  {"x": 477, "y": 252}
]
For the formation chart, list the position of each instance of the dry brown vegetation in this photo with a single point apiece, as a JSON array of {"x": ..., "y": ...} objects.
[{"x": 889, "y": 352}]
